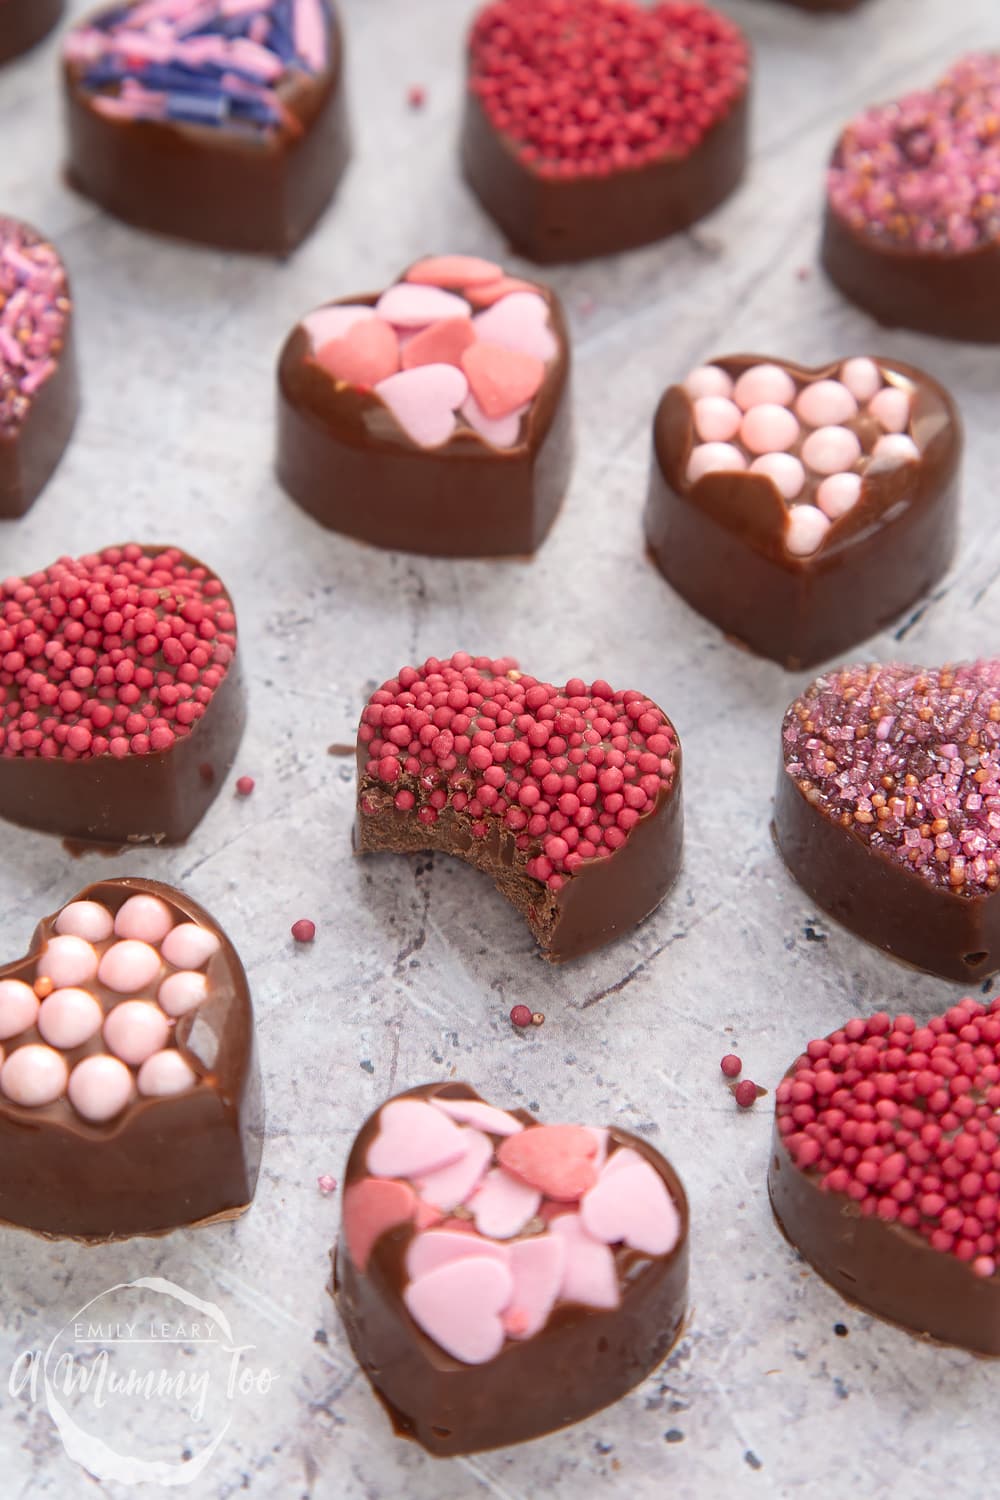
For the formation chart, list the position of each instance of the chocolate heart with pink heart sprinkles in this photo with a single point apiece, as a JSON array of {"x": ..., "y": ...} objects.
[
  {"x": 499, "y": 1278},
  {"x": 121, "y": 702}
]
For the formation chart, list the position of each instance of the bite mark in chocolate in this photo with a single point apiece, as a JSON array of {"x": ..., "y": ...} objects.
[
  {"x": 483, "y": 1310},
  {"x": 826, "y": 499},
  {"x": 569, "y": 797},
  {"x": 128, "y": 1025}
]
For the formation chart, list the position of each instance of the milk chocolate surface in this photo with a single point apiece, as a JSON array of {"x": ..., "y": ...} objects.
[{"x": 24, "y": 23}]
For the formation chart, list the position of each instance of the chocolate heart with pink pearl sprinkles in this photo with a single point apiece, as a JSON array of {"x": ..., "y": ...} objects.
[
  {"x": 482, "y": 1252},
  {"x": 454, "y": 374},
  {"x": 121, "y": 704},
  {"x": 885, "y": 1169},
  {"x": 806, "y": 488},
  {"x": 569, "y": 797},
  {"x": 129, "y": 1023}
]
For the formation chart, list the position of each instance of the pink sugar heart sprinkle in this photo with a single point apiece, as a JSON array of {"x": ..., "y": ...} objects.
[
  {"x": 519, "y": 322},
  {"x": 371, "y": 1207},
  {"x": 501, "y": 380},
  {"x": 558, "y": 1160},
  {"x": 632, "y": 1206},
  {"x": 413, "y": 1139},
  {"x": 367, "y": 354},
  {"x": 459, "y": 1304},
  {"x": 424, "y": 401},
  {"x": 454, "y": 271}
]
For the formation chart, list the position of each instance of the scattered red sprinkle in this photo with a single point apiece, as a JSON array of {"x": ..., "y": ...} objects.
[
  {"x": 603, "y": 85},
  {"x": 521, "y": 1015},
  {"x": 245, "y": 785},
  {"x": 416, "y": 96},
  {"x": 326, "y": 1184},
  {"x": 303, "y": 931},
  {"x": 745, "y": 1094},
  {"x": 119, "y": 652},
  {"x": 905, "y": 1120},
  {"x": 731, "y": 1065}
]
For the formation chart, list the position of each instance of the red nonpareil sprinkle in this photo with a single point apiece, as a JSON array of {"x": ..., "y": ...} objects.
[
  {"x": 731, "y": 1065},
  {"x": 905, "y": 1120},
  {"x": 745, "y": 1094},
  {"x": 521, "y": 1015},
  {"x": 416, "y": 96},
  {"x": 303, "y": 931},
  {"x": 326, "y": 1184},
  {"x": 604, "y": 85},
  {"x": 245, "y": 786},
  {"x": 565, "y": 774},
  {"x": 119, "y": 652}
]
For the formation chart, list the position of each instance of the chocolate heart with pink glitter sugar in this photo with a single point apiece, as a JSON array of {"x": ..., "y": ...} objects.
[
  {"x": 121, "y": 705},
  {"x": 130, "y": 997},
  {"x": 38, "y": 383}
]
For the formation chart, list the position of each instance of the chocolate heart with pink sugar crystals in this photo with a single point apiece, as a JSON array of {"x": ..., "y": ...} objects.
[
  {"x": 121, "y": 701},
  {"x": 827, "y": 498},
  {"x": 885, "y": 1168},
  {"x": 468, "y": 1308},
  {"x": 569, "y": 797},
  {"x": 39, "y": 400},
  {"x": 128, "y": 1024}
]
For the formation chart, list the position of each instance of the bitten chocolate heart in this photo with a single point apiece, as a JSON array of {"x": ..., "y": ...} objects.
[
  {"x": 912, "y": 228},
  {"x": 498, "y": 1278},
  {"x": 23, "y": 23},
  {"x": 569, "y": 798},
  {"x": 433, "y": 417},
  {"x": 802, "y": 510},
  {"x": 885, "y": 1168},
  {"x": 121, "y": 700},
  {"x": 600, "y": 125},
  {"x": 220, "y": 123},
  {"x": 129, "y": 1096},
  {"x": 888, "y": 809},
  {"x": 39, "y": 398}
]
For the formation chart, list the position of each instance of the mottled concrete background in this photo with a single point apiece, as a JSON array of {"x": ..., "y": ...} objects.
[{"x": 417, "y": 962}]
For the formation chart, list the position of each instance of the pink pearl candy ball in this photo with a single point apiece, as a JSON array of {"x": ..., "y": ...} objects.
[
  {"x": 862, "y": 378},
  {"x": 99, "y": 1088},
  {"x": 708, "y": 380},
  {"x": 826, "y": 403},
  {"x": 786, "y": 471},
  {"x": 136, "y": 1029},
  {"x": 769, "y": 428},
  {"x": 806, "y": 529},
  {"x": 182, "y": 992},
  {"x": 67, "y": 960},
  {"x": 85, "y": 919},
  {"x": 830, "y": 450},
  {"x": 713, "y": 458},
  {"x": 69, "y": 1017},
  {"x": 146, "y": 918},
  {"x": 33, "y": 1076},
  {"x": 129, "y": 966},
  {"x": 165, "y": 1073},
  {"x": 18, "y": 1007},
  {"x": 891, "y": 409},
  {"x": 838, "y": 494},
  {"x": 189, "y": 946},
  {"x": 716, "y": 419},
  {"x": 895, "y": 448},
  {"x": 764, "y": 383}
]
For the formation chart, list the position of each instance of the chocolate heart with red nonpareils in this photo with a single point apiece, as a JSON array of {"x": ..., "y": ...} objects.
[
  {"x": 826, "y": 498},
  {"x": 509, "y": 1319},
  {"x": 38, "y": 381},
  {"x": 605, "y": 124},
  {"x": 886, "y": 808},
  {"x": 121, "y": 700},
  {"x": 885, "y": 1168},
  {"x": 462, "y": 447},
  {"x": 128, "y": 1025},
  {"x": 569, "y": 797}
]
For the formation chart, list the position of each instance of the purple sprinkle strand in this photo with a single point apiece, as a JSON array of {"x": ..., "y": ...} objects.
[
  {"x": 924, "y": 172},
  {"x": 908, "y": 758},
  {"x": 34, "y": 308}
]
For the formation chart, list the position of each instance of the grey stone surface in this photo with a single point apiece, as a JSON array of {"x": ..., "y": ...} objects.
[{"x": 417, "y": 962}]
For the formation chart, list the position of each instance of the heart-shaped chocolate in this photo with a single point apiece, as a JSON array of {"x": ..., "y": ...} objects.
[
  {"x": 912, "y": 228},
  {"x": 886, "y": 809},
  {"x": 23, "y": 23},
  {"x": 885, "y": 1168},
  {"x": 220, "y": 123},
  {"x": 39, "y": 398},
  {"x": 799, "y": 509},
  {"x": 121, "y": 700},
  {"x": 594, "y": 127},
  {"x": 128, "y": 1025},
  {"x": 475, "y": 1336},
  {"x": 569, "y": 797},
  {"x": 432, "y": 417}
]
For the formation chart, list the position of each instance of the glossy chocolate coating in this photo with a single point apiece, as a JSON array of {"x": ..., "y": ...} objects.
[
  {"x": 928, "y": 925},
  {"x": 164, "y": 1163},
  {"x": 955, "y": 296},
  {"x": 23, "y": 23},
  {"x": 238, "y": 191},
  {"x": 602, "y": 900},
  {"x": 30, "y": 453},
  {"x": 581, "y": 1361},
  {"x": 139, "y": 799},
  {"x": 884, "y": 1267},
  {"x": 342, "y": 456},
  {"x": 720, "y": 541},
  {"x": 551, "y": 220}
]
